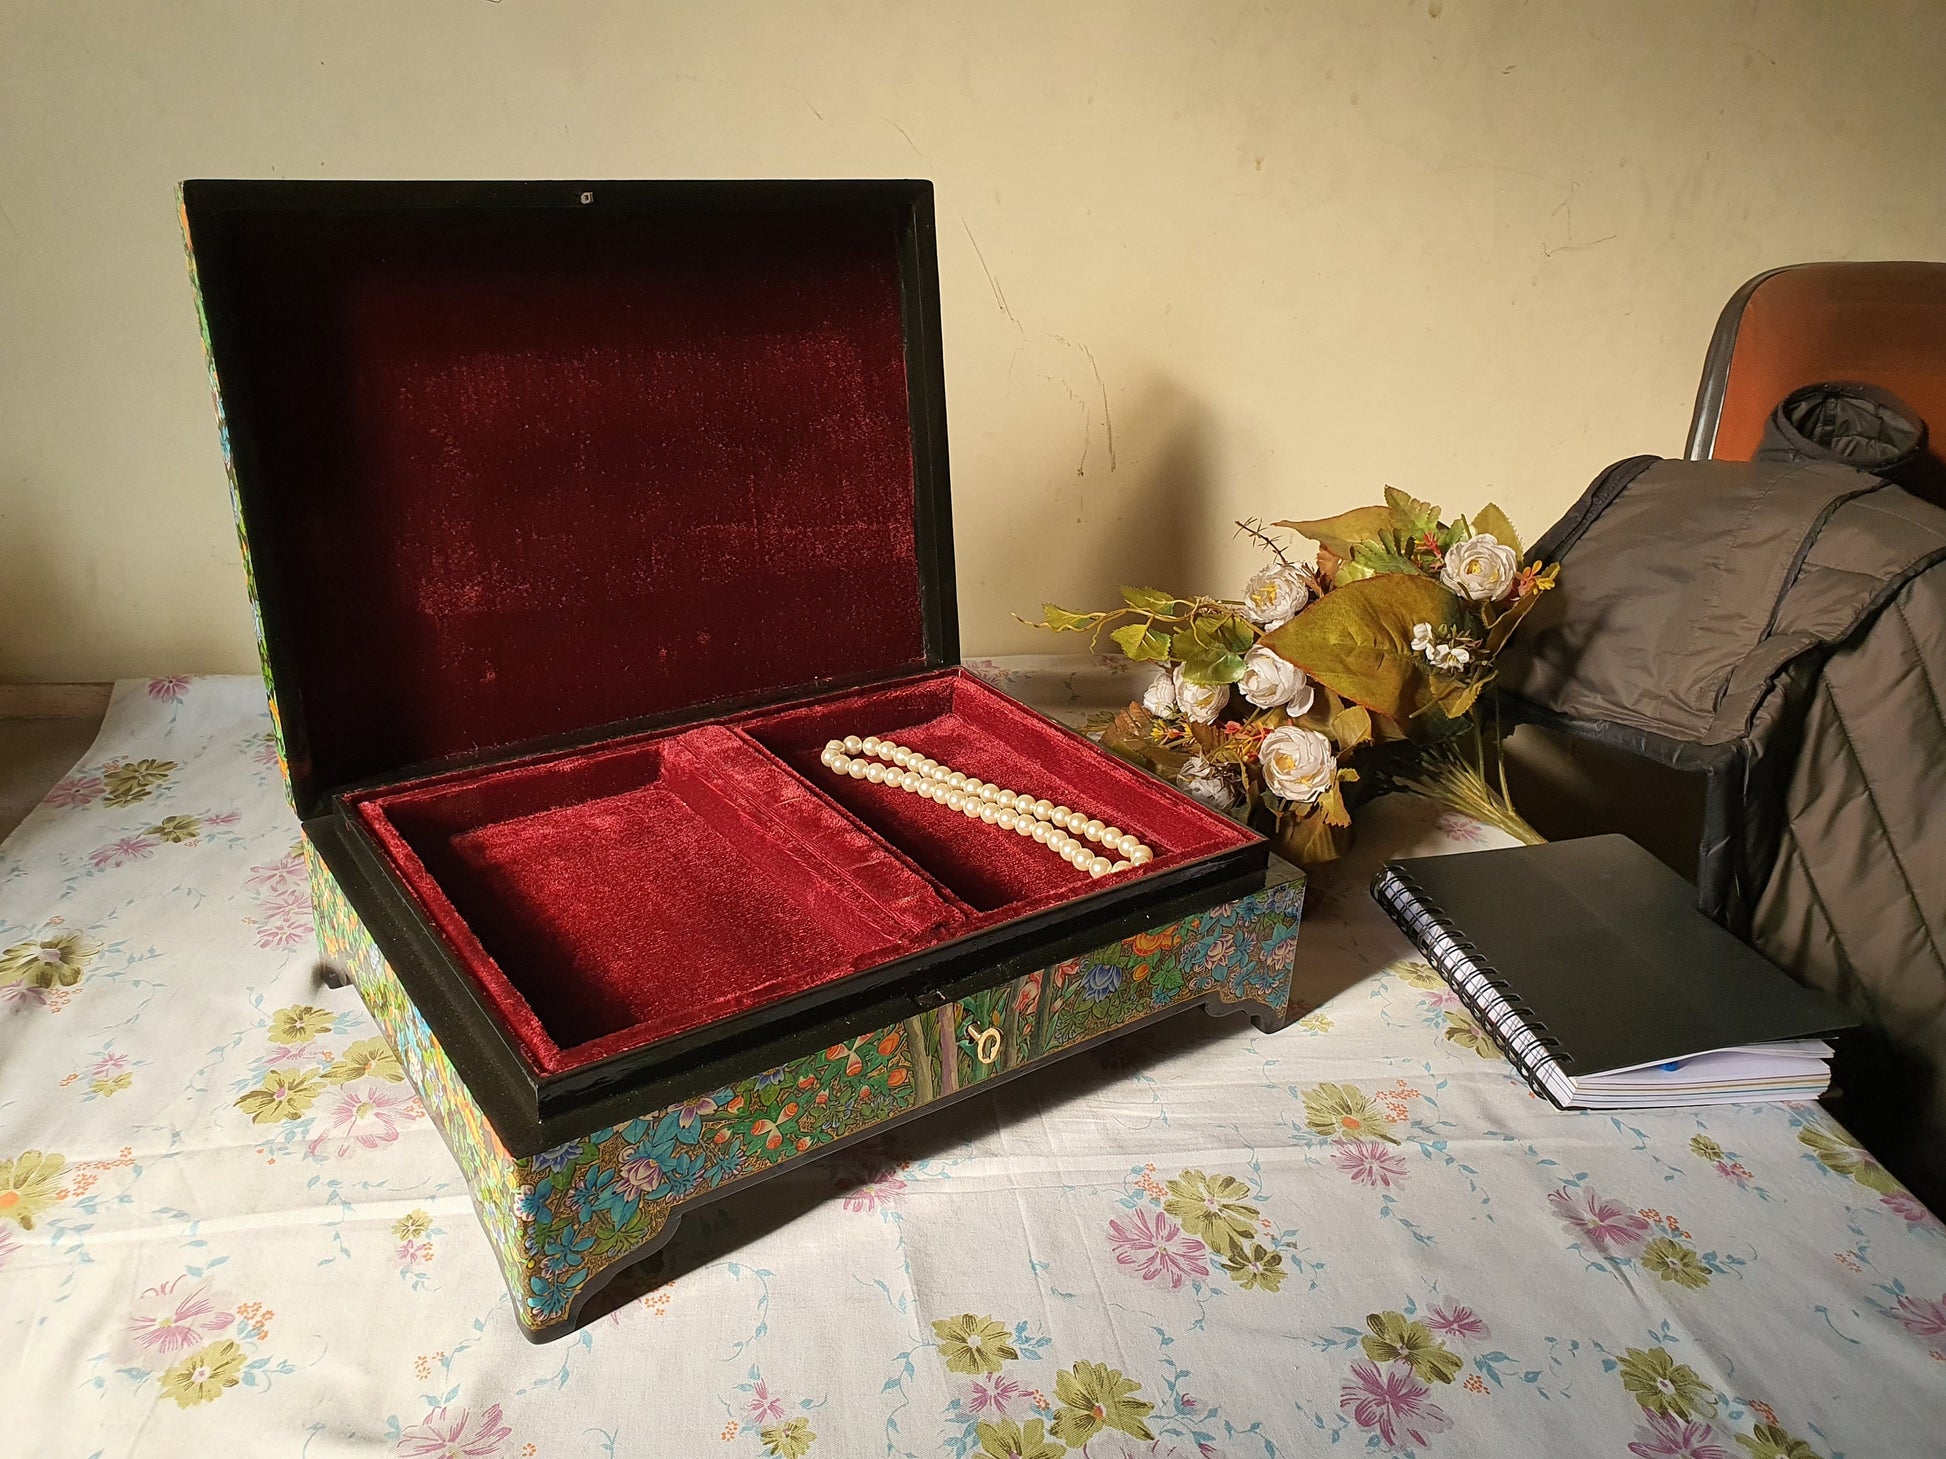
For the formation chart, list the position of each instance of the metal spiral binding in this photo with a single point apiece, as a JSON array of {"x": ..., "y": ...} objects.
[{"x": 1522, "y": 1037}]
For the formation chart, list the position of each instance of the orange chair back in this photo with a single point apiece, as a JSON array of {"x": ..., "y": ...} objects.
[{"x": 1880, "y": 323}]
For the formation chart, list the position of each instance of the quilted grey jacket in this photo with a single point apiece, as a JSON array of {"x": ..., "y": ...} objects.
[{"x": 1781, "y": 627}]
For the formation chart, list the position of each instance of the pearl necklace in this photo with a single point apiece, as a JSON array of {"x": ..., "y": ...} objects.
[{"x": 883, "y": 763}]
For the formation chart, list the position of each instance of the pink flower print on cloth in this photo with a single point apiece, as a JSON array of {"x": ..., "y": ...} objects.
[
  {"x": 1368, "y": 1162},
  {"x": 1456, "y": 1323},
  {"x": 1666, "y": 1436},
  {"x": 994, "y": 1395},
  {"x": 121, "y": 853},
  {"x": 365, "y": 1114},
  {"x": 1608, "y": 1226},
  {"x": 762, "y": 1407},
  {"x": 448, "y": 1433},
  {"x": 1922, "y": 1318},
  {"x": 873, "y": 1193},
  {"x": 1156, "y": 1246},
  {"x": 82, "y": 789},
  {"x": 174, "y": 1318},
  {"x": 1393, "y": 1403}
]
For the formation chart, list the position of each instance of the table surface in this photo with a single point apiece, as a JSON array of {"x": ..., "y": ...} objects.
[{"x": 1198, "y": 1240}]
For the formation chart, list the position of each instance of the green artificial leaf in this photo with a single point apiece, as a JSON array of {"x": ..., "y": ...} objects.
[
  {"x": 1351, "y": 572},
  {"x": 1210, "y": 665},
  {"x": 1410, "y": 515},
  {"x": 1215, "y": 632},
  {"x": 1351, "y": 726},
  {"x": 1310, "y": 839},
  {"x": 1139, "y": 641},
  {"x": 1382, "y": 557},
  {"x": 1149, "y": 600},
  {"x": 1332, "y": 805},
  {"x": 1357, "y": 640},
  {"x": 1458, "y": 697},
  {"x": 1235, "y": 632},
  {"x": 1504, "y": 626},
  {"x": 1491, "y": 520},
  {"x": 1062, "y": 621},
  {"x": 1346, "y": 530}
]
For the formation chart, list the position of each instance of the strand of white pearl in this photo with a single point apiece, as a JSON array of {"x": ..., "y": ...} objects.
[{"x": 1064, "y": 832}]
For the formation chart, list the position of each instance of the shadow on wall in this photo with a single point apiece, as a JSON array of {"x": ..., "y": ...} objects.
[
  {"x": 1146, "y": 517},
  {"x": 37, "y": 590}
]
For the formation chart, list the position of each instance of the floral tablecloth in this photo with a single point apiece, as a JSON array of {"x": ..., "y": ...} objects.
[{"x": 226, "y": 1227}]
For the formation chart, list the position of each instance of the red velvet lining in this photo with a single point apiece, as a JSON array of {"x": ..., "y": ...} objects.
[
  {"x": 518, "y": 473},
  {"x": 617, "y": 896}
]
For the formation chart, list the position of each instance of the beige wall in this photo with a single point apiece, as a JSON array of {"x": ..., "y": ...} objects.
[{"x": 1199, "y": 260}]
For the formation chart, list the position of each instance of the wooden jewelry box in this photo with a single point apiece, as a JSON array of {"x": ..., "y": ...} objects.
[{"x": 581, "y": 518}]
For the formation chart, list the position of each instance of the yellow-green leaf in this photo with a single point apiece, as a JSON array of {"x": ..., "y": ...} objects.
[
  {"x": 1310, "y": 839},
  {"x": 1346, "y": 530},
  {"x": 1139, "y": 641},
  {"x": 1351, "y": 572},
  {"x": 1210, "y": 665},
  {"x": 1062, "y": 621},
  {"x": 1410, "y": 515},
  {"x": 1351, "y": 726},
  {"x": 1149, "y": 600},
  {"x": 1492, "y": 520},
  {"x": 1357, "y": 639},
  {"x": 1381, "y": 557},
  {"x": 1458, "y": 697}
]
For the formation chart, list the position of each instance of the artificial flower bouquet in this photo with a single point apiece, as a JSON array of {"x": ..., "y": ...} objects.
[{"x": 1362, "y": 670}]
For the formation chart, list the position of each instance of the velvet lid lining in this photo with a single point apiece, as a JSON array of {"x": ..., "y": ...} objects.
[
  {"x": 607, "y": 899},
  {"x": 511, "y": 473}
]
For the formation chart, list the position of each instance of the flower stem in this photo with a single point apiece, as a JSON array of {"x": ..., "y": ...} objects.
[{"x": 1446, "y": 779}]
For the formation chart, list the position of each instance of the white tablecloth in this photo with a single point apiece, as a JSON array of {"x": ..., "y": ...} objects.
[{"x": 1200, "y": 1240}]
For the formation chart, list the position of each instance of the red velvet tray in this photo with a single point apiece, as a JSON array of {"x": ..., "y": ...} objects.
[
  {"x": 581, "y": 515},
  {"x": 612, "y": 898}
]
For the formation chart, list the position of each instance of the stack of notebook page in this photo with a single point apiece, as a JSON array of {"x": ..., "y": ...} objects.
[{"x": 1589, "y": 965}]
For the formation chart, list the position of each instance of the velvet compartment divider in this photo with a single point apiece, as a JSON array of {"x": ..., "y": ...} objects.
[{"x": 610, "y": 897}]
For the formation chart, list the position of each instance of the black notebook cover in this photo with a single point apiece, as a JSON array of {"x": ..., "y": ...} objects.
[{"x": 1602, "y": 950}]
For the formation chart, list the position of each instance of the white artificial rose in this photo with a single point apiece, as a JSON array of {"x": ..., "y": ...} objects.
[
  {"x": 1480, "y": 568},
  {"x": 1270, "y": 680},
  {"x": 1206, "y": 782},
  {"x": 1199, "y": 703},
  {"x": 1298, "y": 763},
  {"x": 1160, "y": 698},
  {"x": 1272, "y": 597}
]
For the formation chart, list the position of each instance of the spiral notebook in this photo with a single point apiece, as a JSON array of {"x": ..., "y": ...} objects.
[{"x": 1589, "y": 965}]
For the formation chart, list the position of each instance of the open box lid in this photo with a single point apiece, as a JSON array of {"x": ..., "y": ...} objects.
[{"x": 521, "y": 462}]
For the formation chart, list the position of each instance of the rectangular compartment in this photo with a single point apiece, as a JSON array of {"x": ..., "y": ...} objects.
[{"x": 608, "y": 899}]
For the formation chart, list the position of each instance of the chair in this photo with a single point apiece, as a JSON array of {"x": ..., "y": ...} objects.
[{"x": 1880, "y": 323}]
